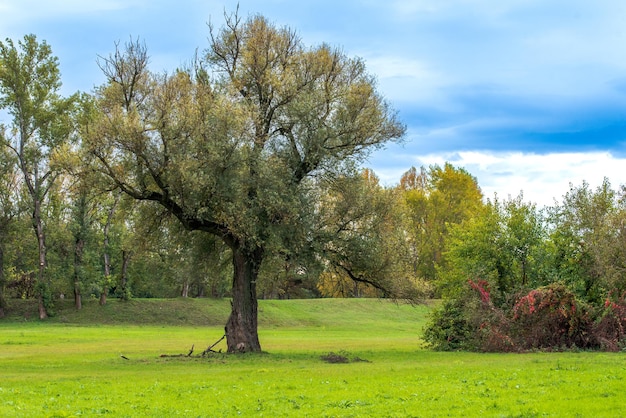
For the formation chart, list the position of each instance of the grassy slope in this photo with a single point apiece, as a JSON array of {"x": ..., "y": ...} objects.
[
  {"x": 61, "y": 368},
  {"x": 338, "y": 313},
  {"x": 137, "y": 311}
]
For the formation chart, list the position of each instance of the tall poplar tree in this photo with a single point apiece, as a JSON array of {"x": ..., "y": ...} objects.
[{"x": 29, "y": 91}]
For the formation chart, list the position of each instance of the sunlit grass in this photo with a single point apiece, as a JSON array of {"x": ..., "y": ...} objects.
[{"x": 53, "y": 369}]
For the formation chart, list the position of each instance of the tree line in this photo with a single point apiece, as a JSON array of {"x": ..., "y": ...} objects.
[{"x": 240, "y": 176}]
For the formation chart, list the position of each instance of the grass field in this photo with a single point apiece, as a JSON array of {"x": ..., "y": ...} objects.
[{"x": 72, "y": 366}]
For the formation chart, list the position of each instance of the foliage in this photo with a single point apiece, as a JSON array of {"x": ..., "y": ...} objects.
[
  {"x": 448, "y": 328},
  {"x": 536, "y": 282},
  {"x": 588, "y": 252},
  {"x": 236, "y": 145},
  {"x": 8, "y": 216},
  {"x": 364, "y": 246},
  {"x": 470, "y": 322},
  {"x": 610, "y": 327},
  {"x": 502, "y": 246},
  {"x": 474, "y": 323},
  {"x": 435, "y": 200},
  {"x": 551, "y": 317},
  {"x": 42, "y": 123}
]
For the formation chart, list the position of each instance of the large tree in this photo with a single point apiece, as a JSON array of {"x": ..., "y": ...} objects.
[
  {"x": 40, "y": 125},
  {"x": 236, "y": 145}
]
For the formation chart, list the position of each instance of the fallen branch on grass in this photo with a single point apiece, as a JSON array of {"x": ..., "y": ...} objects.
[
  {"x": 210, "y": 348},
  {"x": 203, "y": 354},
  {"x": 180, "y": 355}
]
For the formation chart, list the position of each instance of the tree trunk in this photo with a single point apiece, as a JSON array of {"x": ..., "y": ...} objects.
[
  {"x": 107, "y": 256},
  {"x": 3, "y": 302},
  {"x": 78, "y": 266},
  {"x": 107, "y": 273},
  {"x": 42, "y": 285},
  {"x": 185, "y": 292},
  {"x": 241, "y": 328},
  {"x": 78, "y": 299},
  {"x": 126, "y": 255}
]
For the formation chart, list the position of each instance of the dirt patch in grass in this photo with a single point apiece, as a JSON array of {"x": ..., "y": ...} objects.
[{"x": 341, "y": 357}]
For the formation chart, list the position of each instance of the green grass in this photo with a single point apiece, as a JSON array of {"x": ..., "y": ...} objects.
[{"x": 67, "y": 368}]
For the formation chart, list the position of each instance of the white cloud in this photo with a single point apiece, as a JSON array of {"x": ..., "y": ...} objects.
[
  {"x": 541, "y": 177},
  {"x": 405, "y": 79}
]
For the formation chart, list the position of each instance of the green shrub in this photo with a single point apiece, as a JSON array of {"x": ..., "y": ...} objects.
[{"x": 448, "y": 328}]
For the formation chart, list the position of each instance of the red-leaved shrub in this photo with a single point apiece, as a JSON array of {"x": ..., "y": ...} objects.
[
  {"x": 610, "y": 327},
  {"x": 547, "y": 318},
  {"x": 491, "y": 323},
  {"x": 551, "y": 317}
]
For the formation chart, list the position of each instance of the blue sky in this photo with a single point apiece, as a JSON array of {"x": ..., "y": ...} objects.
[{"x": 525, "y": 94}]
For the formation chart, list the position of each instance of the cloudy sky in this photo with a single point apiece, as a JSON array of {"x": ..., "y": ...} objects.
[{"x": 527, "y": 95}]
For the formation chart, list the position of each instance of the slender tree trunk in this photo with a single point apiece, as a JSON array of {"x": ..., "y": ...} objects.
[
  {"x": 78, "y": 266},
  {"x": 126, "y": 255},
  {"x": 78, "y": 299},
  {"x": 107, "y": 255},
  {"x": 43, "y": 285},
  {"x": 241, "y": 328},
  {"x": 3, "y": 302},
  {"x": 107, "y": 274},
  {"x": 185, "y": 292}
]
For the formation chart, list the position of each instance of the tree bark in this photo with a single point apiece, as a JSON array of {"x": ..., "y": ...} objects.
[
  {"x": 126, "y": 255},
  {"x": 78, "y": 299},
  {"x": 78, "y": 265},
  {"x": 107, "y": 274},
  {"x": 241, "y": 328},
  {"x": 107, "y": 256},
  {"x": 3, "y": 302},
  {"x": 185, "y": 291},
  {"x": 41, "y": 241}
]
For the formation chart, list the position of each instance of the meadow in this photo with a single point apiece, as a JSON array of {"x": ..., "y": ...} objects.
[{"x": 72, "y": 365}]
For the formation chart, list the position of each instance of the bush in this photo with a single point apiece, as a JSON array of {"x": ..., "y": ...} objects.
[
  {"x": 448, "y": 328},
  {"x": 609, "y": 329},
  {"x": 551, "y": 317},
  {"x": 470, "y": 322}
]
